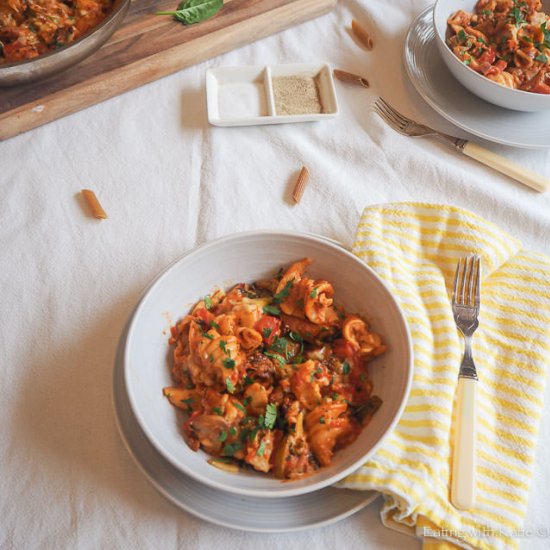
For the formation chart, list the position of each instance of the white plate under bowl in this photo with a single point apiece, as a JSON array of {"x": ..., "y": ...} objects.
[
  {"x": 246, "y": 257},
  {"x": 309, "y": 511},
  {"x": 439, "y": 88}
]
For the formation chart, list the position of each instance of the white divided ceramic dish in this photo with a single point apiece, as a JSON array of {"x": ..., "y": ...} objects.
[
  {"x": 277, "y": 515},
  {"x": 243, "y": 96},
  {"x": 481, "y": 86},
  {"x": 438, "y": 87},
  {"x": 246, "y": 257}
]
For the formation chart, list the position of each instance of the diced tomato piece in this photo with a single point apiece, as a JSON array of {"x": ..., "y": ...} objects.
[
  {"x": 269, "y": 327},
  {"x": 489, "y": 56},
  {"x": 204, "y": 315},
  {"x": 541, "y": 89},
  {"x": 343, "y": 349}
]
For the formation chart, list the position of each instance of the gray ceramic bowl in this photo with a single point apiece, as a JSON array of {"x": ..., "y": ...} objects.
[
  {"x": 246, "y": 257},
  {"x": 479, "y": 85},
  {"x": 30, "y": 70}
]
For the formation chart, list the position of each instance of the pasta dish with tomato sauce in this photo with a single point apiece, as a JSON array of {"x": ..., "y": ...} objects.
[
  {"x": 507, "y": 41},
  {"x": 273, "y": 375},
  {"x": 30, "y": 28}
]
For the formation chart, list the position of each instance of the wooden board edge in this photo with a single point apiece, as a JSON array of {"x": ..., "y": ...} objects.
[{"x": 124, "y": 79}]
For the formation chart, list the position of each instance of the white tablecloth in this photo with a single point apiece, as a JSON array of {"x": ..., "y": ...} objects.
[{"x": 168, "y": 182}]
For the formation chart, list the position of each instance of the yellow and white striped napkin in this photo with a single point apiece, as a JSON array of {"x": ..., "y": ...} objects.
[{"x": 414, "y": 248}]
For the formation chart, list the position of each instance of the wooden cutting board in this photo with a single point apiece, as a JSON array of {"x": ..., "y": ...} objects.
[{"x": 147, "y": 47}]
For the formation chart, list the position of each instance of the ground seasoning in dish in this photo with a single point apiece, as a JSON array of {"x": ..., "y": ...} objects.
[{"x": 296, "y": 95}]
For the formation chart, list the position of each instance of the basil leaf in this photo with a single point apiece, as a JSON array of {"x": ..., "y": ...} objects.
[
  {"x": 272, "y": 310},
  {"x": 230, "y": 386},
  {"x": 270, "y": 416},
  {"x": 194, "y": 11},
  {"x": 261, "y": 449}
]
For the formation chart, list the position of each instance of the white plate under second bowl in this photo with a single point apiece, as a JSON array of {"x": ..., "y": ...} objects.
[
  {"x": 246, "y": 257},
  {"x": 440, "y": 89}
]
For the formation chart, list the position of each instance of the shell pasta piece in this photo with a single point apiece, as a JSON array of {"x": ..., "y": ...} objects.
[{"x": 273, "y": 376}]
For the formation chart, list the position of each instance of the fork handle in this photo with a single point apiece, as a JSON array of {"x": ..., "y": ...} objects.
[
  {"x": 463, "y": 480},
  {"x": 506, "y": 166}
]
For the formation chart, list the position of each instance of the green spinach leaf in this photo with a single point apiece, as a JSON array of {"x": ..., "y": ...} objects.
[{"x": 194, "y": 11}]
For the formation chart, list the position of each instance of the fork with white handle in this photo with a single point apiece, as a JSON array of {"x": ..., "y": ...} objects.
[
  {"x": 408, "y": 127},
  {"x": 465, "y": 305}
]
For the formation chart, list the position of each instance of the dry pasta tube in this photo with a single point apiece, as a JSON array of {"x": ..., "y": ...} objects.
[
  {"x": 362, "y": 35},
  {"x": 300, "y": 185},
  {"x": 94, "y": 204}
]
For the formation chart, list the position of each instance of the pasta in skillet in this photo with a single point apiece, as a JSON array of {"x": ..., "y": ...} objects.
[
  {"x": 507, "y": 41},
  {"x": 273, "y": 375},
  {"x": 30, "y": 28}
]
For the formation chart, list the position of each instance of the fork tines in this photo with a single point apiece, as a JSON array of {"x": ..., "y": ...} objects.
[
  {"x": 390, "y": 115},
  {"x": 467, "y": 282}
]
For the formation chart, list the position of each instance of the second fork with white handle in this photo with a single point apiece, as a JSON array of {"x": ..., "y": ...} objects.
[
  {"x": 465, "y": 305},
  {"x": 408, "y": 127}
]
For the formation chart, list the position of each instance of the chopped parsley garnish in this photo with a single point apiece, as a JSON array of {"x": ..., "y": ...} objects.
[
  {"x": 215, "y": 325},
  {"x": 322, "y": 420},
  {"x": 277, "y": 358},
  {"x": 261, "y": 449},
  {"x": 284, "y": 293},
  {"x": 462, "y": 36},
  {"x": 517, "y": 14},
  {"x": 280, "y": 346},
  {"x": 208, "y": 302},
  {"x": 218, "y": 411},
  {"x": 247, "y": 400},
  {"x": 346, "y": 367},
  {"x": 223, "y": 346},
  {"x": 231, "y": 448},
  {"x": 267, "y": 332},
  {"x": 272, "y": 310},
  {"x": 188, "y": 401},
  {"x": 542, "y": 58},
  {"x": 240, "y": 407},
  {"x": 229, "y": 385},
  {"x": 206, "y": 335},
  {"x": 296, "y": 336},
  {"x": 228, "y": 363},
  {"x": 232, "y": 431},
  {"x": 313, "y": 293},
  {"x": 546, "y": 34},
  {"x": 247, "y": 380},
  {"x": 223, "y": 436}
]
